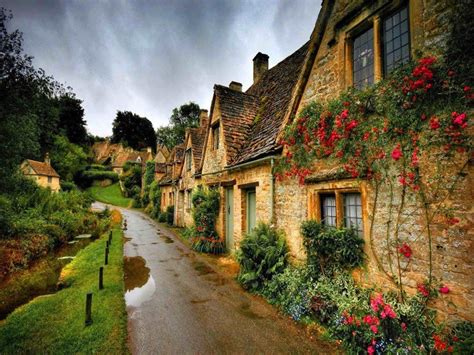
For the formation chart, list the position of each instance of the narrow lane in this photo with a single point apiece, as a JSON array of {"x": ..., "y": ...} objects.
[{"x": 178, "y": 304}]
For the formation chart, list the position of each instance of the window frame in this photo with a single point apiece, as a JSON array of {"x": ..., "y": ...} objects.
[
  {"x": 50, "y": 179},
  {"x": 384, "y": 19},
  {"x": 325, "y": 215},
  {"x": 316, "y": 201},
  {"x": 188, "y": 159},
  {"x": 375, "y": 21},
  {"x": 363, "y": 31},
  {"x": 215, "y": 130}
]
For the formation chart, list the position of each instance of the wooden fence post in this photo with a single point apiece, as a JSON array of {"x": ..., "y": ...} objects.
[
  {"x": 101, "y": 278},
  {"x": 89, "y": 309}
]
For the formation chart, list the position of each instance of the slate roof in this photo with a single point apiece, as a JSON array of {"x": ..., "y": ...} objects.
[
  {"x": 252, "y": 120},
  {"x": 198, "y": 136},
  {"x": 238, "y": 111},
  {"x": 42, "y": 168}
]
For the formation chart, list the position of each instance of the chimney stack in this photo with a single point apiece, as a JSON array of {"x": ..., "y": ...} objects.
[
  {"x": 47, "y": 160},
  {"x": 203, "y": 118},
  {"x": 234, "y": 85},
  {"x": 148, "y": 149},
  {"x": 260, "y": 66}
]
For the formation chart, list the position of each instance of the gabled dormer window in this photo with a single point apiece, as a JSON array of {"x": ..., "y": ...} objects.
[
  {"x": 215, "y": 136},
  {"x": 188, "y": 159}
]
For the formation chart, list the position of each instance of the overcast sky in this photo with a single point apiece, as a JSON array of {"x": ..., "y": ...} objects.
[{"x": 151, "y": 56}]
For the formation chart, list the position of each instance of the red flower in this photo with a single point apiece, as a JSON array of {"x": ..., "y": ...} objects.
[
  {"x": 351, "y": 125},
  {"x": 440, "y": 345},
  {"x": 397, "y": 153},
  {"x": 388, "y": 312},
  {"x": 423, "y": 290},
  {"x": 374, "y": 329},
  {"x": 434, "y": 123},
  {"x": 370, "y": 350},
  {"x": 467, "y": 89},
  {"x": 452, "y": 221},
  {"x": 405, "y": 250},
  {"x": 444, "y": 289},
  {"x": 404, "y": 326},
  {"x": 459, "y": 119},
  {"x": 414, "y": 157}
]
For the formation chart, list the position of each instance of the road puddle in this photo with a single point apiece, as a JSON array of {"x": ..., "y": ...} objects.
[{"x": 139, "y": 284}]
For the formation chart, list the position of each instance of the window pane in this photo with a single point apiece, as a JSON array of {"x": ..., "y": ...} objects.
[
  {"x": 353, "y": 212},
  {"x": 328, "y": 210},
  {"x": 396, "y": 36},
  {"x": 363, "y": 59}
]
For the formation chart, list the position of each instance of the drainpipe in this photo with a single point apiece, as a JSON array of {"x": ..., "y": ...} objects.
[{"x": 272, "y": 189}]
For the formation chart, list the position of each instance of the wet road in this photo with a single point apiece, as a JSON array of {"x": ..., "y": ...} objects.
[{"x": 179, "y": 304}]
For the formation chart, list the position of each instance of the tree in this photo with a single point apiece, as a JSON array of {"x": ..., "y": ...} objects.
[
  {"x": 133, "y": 131},
  {"x": 67, "y": 158},
  {"x": 71, "y": 119},
  {"x": 186, "y": 116}
]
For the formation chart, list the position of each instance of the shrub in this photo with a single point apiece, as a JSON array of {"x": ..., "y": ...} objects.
[
  {"x": 205, "y": 210},
  {"x": 149, "y": 175},
  {"x": 330, "y": 249},
  {"x": 155, "y": 199},
  {"x": 262, "y": 255},
  {"x": 170, "y": 215},
  {"x": 87, "y": 177},
  {"x": 98, "y": 167},
  {"x": 131, "y": 178},
  {"x": 162, "y": 217},
  {"x": 291, "y": 291},
  {"x": 68, "y": 186}
]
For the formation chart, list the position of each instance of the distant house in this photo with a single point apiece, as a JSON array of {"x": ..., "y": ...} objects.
[
  {"x": 130, "y": 155},
  {"x": 41, "y": 172}
]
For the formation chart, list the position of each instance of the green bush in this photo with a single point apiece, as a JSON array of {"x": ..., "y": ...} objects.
[
  {"x": 170, "y": 215},
  {"x": 149, "y": 176},
  {"x": 99, "y": 167},
  {"x": 162, "y": 217},
  {"x": 262, "y": 255},
  {"x": 131, "y": 178},
  {"x": 68, "y": 186},
  {"x": 291, "y": 290},
  {"x": 87, "y": 177},
  {"x": 330, "y": 249},
  {"x": 205, "y": 210},
  {"x": 155, "y": 199}
]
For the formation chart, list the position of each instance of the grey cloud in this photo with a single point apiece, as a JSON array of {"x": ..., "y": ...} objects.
[{"x": 151, "y": 56}]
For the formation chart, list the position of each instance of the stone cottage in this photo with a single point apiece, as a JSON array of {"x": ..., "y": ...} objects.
[
  {"x": 353, "y": 44},
  {"x": 42, "y": 173},
  {"x": 169, "y": 180},
  {"x": 356, "y": 44},
  {"x": 190, "y": 174}
]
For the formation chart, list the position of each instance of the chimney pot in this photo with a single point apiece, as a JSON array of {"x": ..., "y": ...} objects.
[
  {"x": 203, "y": 118},
  {"x": 47, "y": 160},
  {"x": 234, "y": 85},
  {"x": 260, "y": 66}
]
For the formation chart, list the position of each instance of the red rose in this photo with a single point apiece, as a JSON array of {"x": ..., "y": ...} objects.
[
  {"x": 397, "y": 153},
  {"x": 434, "y": 123},
  {"x": 444, "y": 289}
]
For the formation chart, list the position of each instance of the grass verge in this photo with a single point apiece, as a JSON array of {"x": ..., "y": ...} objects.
[
  {"x": 110, "y": 194},
  {"x": 55, "y": 323}
]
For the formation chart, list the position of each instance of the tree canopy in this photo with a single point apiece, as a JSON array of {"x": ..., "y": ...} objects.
[
  {"x": 133, "y": 130},
  {"x": 185, "y": 116},
  {"x": 30, "y": 106}
]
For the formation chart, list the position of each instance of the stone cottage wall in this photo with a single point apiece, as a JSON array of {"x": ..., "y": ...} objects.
[{"x": 452, "y": 245}]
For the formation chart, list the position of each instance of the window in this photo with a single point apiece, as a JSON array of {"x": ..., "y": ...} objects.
[
  {"x": 353, "y": 212},
  {"x": 363, "y": 59},
  {"x": 189, "y": 193},
  {"x": 339, "y": 208},
  {"x": 396, "y": 40},
  {"x": 215, "y": 137},
  {"x": 328, "y": 210},
  {"x": 188, "y": 159},
  {"x": 50, "y": 179}
]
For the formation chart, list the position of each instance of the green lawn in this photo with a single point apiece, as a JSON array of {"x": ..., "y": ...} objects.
[
  {"x": 110, "y": 194},
  {"x": 55, "y": 323}
]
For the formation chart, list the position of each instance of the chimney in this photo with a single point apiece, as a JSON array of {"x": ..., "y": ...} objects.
[
  {"x": 203, "y": 118},
  {"x": 260, "y": 66},
  {"x": 148, "y": 149},
  {"x": 234, "y": 85},
  {"x": 46, "y": 159}
]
